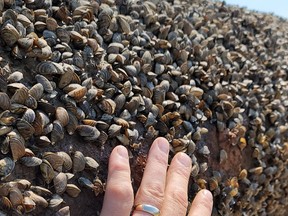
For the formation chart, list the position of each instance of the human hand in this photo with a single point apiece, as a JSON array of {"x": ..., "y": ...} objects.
[{"x": 166, "y": 190}]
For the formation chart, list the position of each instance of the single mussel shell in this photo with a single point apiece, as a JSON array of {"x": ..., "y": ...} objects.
[
  {"x": 60, "y": 182},
  {"x": 72, "y": 190},
  {"x": 91, "y": 163},
  {"x": 65, "y": 211},
  {"x": 6, "y": 167},
  {"x": 78, "y": 162},
  {"x": 67, "y": 161},
  {"x": 47, "y": 171},
  {"x": 38, "y": 199},
  {"x": 31, "y": 161},
  {"x": 55, "y": 160},
  {"x": 55, "y": 201}
]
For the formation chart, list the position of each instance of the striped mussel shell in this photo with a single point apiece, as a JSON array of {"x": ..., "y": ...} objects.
[
  {"x": 67, "y": 161},
  {"x": 62, "y": 116},
  {"x": 6, "y": 167},
  {"x": 72, "y": 190},
  {"x": 17, "y": 145},
  {"x": 60, "y": 182},
  {"x": 78, "y": 162},
  {"x": 57, "y": 133},
  {"x": 47, "y": 86},
  {"x": 31, "y": 161},
  {"x": 55, "y": 160},
  {"x": 25, "y": 128},
  {"x": 47, "y": 171},
  {"x": 29, "y": 115},
  {"x": 88, "y": 131},
  {"x": 9, "y": 34},
  {"x": 5, "y": 102},
  {"x": 49, "y": 68},
  {"x": 36, "y": 91}
]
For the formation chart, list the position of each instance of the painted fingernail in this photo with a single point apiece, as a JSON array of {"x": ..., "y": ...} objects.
[
  {"x": 163, "y": 145},
  {"x": 184, "y": 159},
  {"x": 207, "y": 194},
  {"x": 122, "y": 152}
]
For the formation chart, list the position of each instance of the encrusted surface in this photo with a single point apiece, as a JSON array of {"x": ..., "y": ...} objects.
[{"x": 78, "y": 78}]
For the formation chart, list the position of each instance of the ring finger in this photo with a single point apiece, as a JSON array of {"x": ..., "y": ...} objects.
[{"x": 151, "y": 190}]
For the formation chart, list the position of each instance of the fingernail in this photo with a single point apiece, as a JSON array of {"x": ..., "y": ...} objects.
[
  {"x": 163, "y": 145},
  {"x": 184, "y": 159},
  {"x": 122, "y": 152},
  {"x": 207, "y": 194}
]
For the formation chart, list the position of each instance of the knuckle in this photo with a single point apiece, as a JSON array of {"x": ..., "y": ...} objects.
[
  {"x": 179, "y": 198},
  {"x": 161, "y": 160},
  {"x": 154, "y": 190},
  {"x": 182, "y": 173},
  {"x": 122, "y": 167},
  {"x": 121, "y": 192}
]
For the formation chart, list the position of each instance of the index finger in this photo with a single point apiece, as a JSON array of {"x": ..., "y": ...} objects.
[{"x": 118, "y": 198}]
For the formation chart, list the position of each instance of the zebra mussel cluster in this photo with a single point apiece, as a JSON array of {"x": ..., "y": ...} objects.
[{"x": 79, "y": 77}]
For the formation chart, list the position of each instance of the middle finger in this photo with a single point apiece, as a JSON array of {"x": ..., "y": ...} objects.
[
  {"x": 176, "y": 192},
  {"x": 151, "y": 190}
]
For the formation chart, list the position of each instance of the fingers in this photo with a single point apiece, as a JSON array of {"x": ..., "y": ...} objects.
[
  {"x": 152, "y": 187},
  {"x": 118, "y": 198},
  {"x": 176, "y": 199},
  {"x": 202, "y": 204}
]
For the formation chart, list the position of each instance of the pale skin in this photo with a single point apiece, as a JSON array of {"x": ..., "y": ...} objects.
[{"x": 163, "y": 188}]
